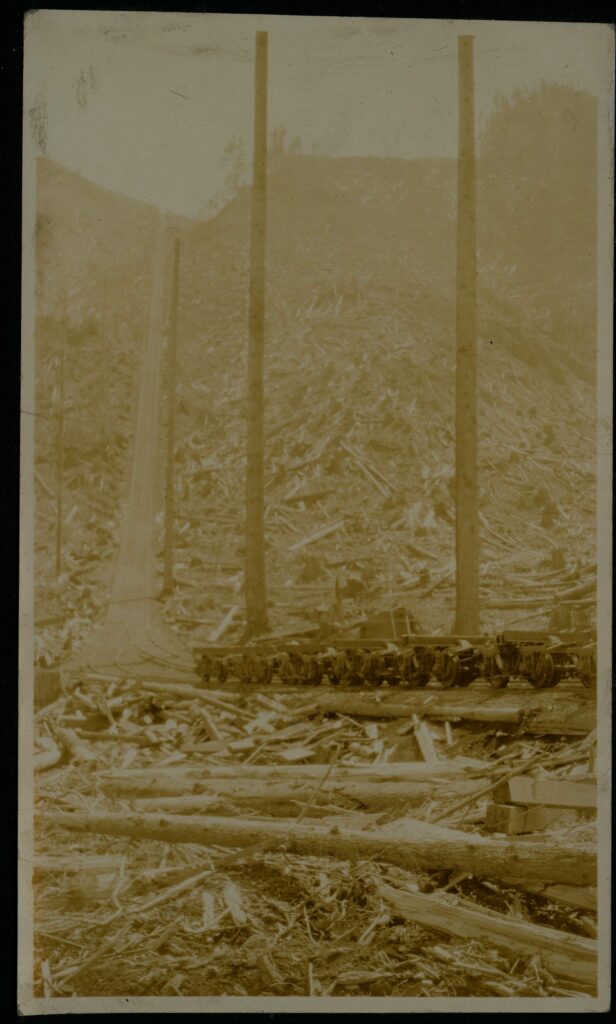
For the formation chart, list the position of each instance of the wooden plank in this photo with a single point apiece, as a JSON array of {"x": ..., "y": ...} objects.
[
  {"x": 527, "y": 791},
  {"x": 568, "y": 956},
  {"x": 584, "y": 897},
  {"x": 573, "y": 896},
  {"x": 425, "y": 742},
  {"x": 48, "y": 685},
  {"x": 324, "y": 531},
  {"x": 210, "y": 727},
  {"x": 220, "y": 630},
  {"x": 514, "y": 820}
]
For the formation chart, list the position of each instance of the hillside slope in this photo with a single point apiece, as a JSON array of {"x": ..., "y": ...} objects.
[{"x": 360, "y": 356}]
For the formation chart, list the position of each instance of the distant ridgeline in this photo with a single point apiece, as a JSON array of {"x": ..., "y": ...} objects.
[{"x": 368, "y": 229}]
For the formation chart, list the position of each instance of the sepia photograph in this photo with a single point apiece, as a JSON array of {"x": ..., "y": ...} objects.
[{"x": 315, "y": 553}]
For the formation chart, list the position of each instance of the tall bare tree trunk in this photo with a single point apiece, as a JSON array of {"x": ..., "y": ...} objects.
[
  {"x": 467, "y": 508},
  {"x": 106, "y": 356},
  {"x": 60, "y": 443},
  {"x": 171, "y": 387},
  {"x": 256, "y": 614}
]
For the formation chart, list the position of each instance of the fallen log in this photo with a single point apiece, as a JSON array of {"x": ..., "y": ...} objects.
[
  {"x": 77, "y": 863},
  {"x": 428, "y": 846},
  {"x": 184, "y": 690},
  {"x": 71, "y": 742},
  {"x": 320, "y": 534},
  {"x": 568, "y": 956},
  {"x": 286, "y": 806},
  {"x": 576, "y": 723},
  {"x": 580, "y": 590},
  {"x": 397, "y": 771},
  {"x": 417, "y": 781},
  {"x": 192, "y": 796},
  {"x": 361, "y": 707},
  {"x": 535, "y": 602}
]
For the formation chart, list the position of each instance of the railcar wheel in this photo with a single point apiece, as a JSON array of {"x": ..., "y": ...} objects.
[
  {"x": 221, "y": 672},
  {"x": 312, "y": 672},
  {"x": 544, "y": 675},
  {"x": 204, "y": 669},
  {"x": 588, "y": 673},
  {"x": 451, "y": 671},
  {"x": 420, "y": 679}
]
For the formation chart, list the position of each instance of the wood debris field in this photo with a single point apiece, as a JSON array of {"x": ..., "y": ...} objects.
[
  {"x": 265, "y": 761},
  {"x": 261, "y": 843}
]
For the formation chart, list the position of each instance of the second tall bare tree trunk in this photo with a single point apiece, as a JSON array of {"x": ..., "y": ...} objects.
[
  {"x": 171, "y": 385},
  {"x": 256, "y": 614},
  {"x": 60, "y": 441},
  {"x": 467, "y": 507}
]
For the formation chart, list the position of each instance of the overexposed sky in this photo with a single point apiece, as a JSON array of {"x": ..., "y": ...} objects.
[{"x": 144, "y": 103}]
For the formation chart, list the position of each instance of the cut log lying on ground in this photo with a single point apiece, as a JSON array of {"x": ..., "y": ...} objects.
[
  {"x": 397, "y": 771},
  {"x": 428, "y": 846},
  {"x": 534, "y": 602},
  {"x": 569, "y": 956},
  {"x": 350, "y": 705},
  {"x": 526, "y": 792},
  {"x": 74, "y": 863},
  {"x": 279, "y": 806},
  {"x": 373, "y": 794},
  {"x": 370, "y": 784},
  {"x": 184, "y": 691},
  {"x": 573, "y": 723},
  {"x": 71, "y": 742}
]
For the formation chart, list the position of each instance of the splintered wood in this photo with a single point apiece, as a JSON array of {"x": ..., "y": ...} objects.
[
  {"x": 202, "y": 826},
  {"x": 390, "y": 838}
]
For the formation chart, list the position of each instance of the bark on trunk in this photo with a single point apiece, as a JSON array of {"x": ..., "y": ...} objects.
[
  {"x": 424, "y": 845},
  {"x": 569, "y": 956}
]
